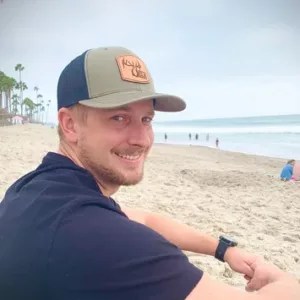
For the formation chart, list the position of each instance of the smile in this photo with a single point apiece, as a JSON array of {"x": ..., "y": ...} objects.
[{"x": 129, "y": 157}]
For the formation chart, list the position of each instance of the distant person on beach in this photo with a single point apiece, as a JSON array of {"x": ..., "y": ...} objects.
[
  {"x": 63, "y": 236},
  {"x": 217, "y": 143},
  {"x": 166, "y": 137},
  {"x": 196, "y": 136},
  {"x": 287, "y": 171},
  {"x": 190, "y": 136}
]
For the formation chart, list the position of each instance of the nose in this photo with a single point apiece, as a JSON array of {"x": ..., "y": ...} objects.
[{"x": 140, "y": 134}]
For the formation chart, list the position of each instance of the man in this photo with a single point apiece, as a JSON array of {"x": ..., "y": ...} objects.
[{"x": 64, "y": 237}]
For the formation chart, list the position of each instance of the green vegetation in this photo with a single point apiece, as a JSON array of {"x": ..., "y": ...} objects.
[{"x": 12, "y": 101}]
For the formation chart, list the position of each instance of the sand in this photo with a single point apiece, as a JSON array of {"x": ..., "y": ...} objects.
[{"x": 215, "y": 191}]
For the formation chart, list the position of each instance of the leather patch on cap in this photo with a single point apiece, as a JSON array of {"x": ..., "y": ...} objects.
[{"x": 132, "y": 69}]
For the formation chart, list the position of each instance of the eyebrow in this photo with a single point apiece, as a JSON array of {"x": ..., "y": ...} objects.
[{"x": 127, "y": 109}]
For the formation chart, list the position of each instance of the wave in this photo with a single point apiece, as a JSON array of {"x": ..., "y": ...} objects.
[{"x": 246, "y": 129}]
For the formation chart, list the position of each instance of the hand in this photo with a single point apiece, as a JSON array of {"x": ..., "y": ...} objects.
[
  {"x": 255, "y": 269},
  {"x": 264, "y": 273},
  {"x": 240, "y": 261}
]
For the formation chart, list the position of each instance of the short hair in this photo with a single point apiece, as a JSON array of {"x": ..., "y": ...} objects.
[{"x": 291, "y": 161}]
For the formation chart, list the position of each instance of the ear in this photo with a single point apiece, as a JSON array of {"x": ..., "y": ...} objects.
[{"x": 68, "y": 126}]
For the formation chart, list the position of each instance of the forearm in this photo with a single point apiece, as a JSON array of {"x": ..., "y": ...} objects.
[
  {"x": 286, "y": 287},
  {"x": 183, "y": 236},
  {"x": 283, "y": 288}
]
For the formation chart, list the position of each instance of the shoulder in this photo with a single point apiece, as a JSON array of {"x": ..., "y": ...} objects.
[{"x": 96, "y": 225}]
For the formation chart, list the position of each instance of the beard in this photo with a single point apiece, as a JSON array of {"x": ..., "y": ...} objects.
[{"x": 108, "y": 175}]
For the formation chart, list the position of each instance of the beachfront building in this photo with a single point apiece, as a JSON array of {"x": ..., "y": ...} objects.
[{"x": 5, "y": 117}]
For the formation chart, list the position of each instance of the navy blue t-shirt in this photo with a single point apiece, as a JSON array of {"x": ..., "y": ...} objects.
[{"x": 60, "y": 238}]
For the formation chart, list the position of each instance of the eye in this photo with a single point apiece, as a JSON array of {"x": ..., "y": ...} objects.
[
  {"x": 119, "y": 118},
  {"x": 147, "y": 120}
]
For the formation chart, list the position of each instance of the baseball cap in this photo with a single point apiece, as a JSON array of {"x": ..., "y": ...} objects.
[{"x": 110, "y": 77}]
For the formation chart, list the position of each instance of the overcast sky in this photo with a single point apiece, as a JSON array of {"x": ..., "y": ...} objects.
[{"x": 226, "y": 58}]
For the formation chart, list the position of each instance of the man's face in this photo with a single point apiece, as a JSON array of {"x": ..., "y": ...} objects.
[{"x": 114, "y": 143}]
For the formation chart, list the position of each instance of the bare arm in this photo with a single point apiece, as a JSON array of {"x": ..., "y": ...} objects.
[
  {"x": 271, "y": 283},
  {"x": 281, "y": 286},
  {"x": 181, "y": 235},
  {"x": 190, "y": 239}
]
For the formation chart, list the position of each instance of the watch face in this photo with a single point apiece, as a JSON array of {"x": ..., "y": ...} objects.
[{"x": 228, "y": 241}]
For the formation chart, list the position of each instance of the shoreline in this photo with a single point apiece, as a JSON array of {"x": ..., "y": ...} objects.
[
  {"x": 281, "y": 159},
  {"x": 285, "y": 158}
]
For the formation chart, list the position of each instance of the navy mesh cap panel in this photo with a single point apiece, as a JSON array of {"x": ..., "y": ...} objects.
[{"x": 72, "y": 86}]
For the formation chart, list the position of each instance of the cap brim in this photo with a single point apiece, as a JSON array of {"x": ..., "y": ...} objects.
[{"x": 162, "y": 102}]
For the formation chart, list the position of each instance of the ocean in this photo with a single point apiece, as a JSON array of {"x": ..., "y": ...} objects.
[{"x": 274, "y": 136}]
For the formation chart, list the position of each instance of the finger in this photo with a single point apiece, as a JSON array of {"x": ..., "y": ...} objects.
[
  {"x": 248, "y": 271},
  {"x": 252, "y": 286},
  {"x": 249, "y": 289},
  {"x": 255, "y": 284},
  {"x": 247, "y": 277}
]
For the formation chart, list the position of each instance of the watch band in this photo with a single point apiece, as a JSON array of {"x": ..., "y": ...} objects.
[{"x": 224, "y": 243}]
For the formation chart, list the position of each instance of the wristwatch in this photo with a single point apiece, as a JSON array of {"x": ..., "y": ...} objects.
[{"x": 224, "y": 243}]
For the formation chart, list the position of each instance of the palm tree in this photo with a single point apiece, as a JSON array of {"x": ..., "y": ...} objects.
[
  {"x": 9, "y": 85},
  {"x": 47, "y": 110},
  {"x": 15, "y": 103},
  {"x": 22, "y": 87},
  {"x": 39, "y": 104},
  {"x": 42, "y": 111},
  {"x": 36, "y": 89},
  {"x": 19, "y": 68},
  {"x": 6, "y": 85},
  {"x": 29, "y": 107}
]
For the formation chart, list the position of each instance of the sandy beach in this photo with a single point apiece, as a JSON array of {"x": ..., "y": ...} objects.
[{"x": 215, "y": 191}]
